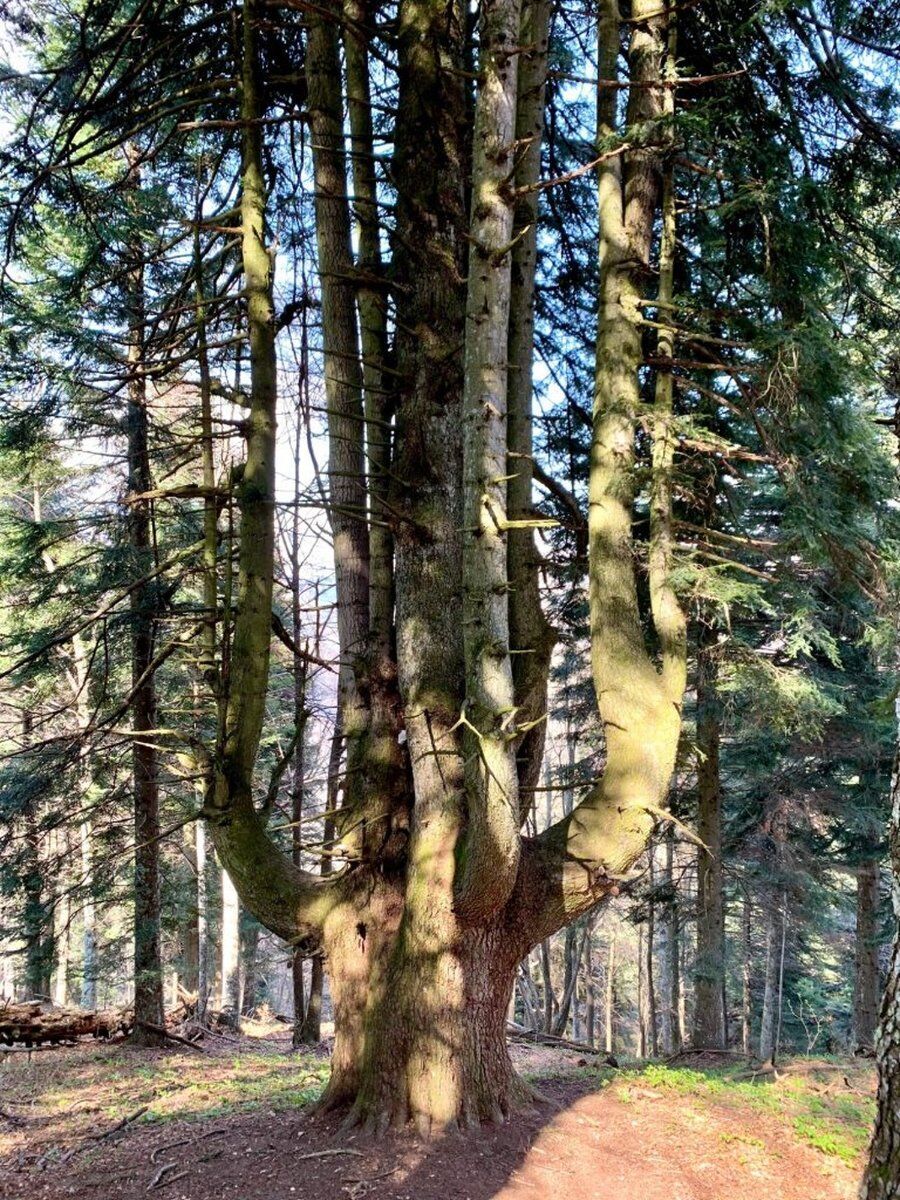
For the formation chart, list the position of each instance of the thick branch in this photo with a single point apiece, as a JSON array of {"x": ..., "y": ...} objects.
[{"x": 492, "y": 791}]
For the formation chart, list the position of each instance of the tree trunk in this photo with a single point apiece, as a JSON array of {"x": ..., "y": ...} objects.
[
  {"x": 61, "y": 926},
  {"x": 746, "y": 1008},
  {"x": 709, "y": 972},
  {"x": 882, "y": 1176},
  {"x": 670, "y": 982},
  {"x": 547, "y": 982},
  {"x": 88, "y": 918},
  {"x": 149, "y": 1008},
  {"x": 310, "y": 1033},
  {"x": 866, "y": 991},
  {"x": 298, "y": 985},
  {"x": 574, "y": 952},
  {"x": 230, "y": 976},
  {"x": 770, "y": 991},
  {"x": 590, "y": 992},
  {"x": 531, "y": 635},
  {"x": 437, "y": 1053},
  {"x": 641, "y": 994},
  {"x": 609, "y": 1039},
  {"x": 249, "y": 946},
  {"x": 202, "y": 923},
  {"x": 652, "y": 1036}
]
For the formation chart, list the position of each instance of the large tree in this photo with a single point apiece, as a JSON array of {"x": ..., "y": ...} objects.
[
  {"x": 427, "y": 331},
  {"x": 444, "y": 895}
]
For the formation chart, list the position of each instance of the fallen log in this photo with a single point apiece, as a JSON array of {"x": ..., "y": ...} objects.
[
  {"x": 32, "y": 1024},
  {"x": 548, "y": 1039}
]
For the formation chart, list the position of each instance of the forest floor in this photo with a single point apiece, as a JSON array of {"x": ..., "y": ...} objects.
[{"x": 109, "y": 1122}]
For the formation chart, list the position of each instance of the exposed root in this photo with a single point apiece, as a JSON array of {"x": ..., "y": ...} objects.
[{"x": 375, "y": 1118}]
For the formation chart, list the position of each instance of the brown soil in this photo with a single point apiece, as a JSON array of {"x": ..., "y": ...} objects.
[{"x": 623, "y": 1142}]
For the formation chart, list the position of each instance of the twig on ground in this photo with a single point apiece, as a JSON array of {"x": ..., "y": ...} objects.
[
  {"x": 163, "y": 1171},
  {"x": 172, "y": 1179},
  {"x": 184, "y": 1142},
  {"x": 119, "y": 1126},
  {"x": 174, "y": 1037},
  {"x": 330, "y": 1154}
]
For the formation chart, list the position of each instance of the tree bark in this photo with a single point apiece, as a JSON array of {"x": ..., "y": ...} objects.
[
  {"x": 531, "y": 635},
  {"x": 709, "y": 972},
  {"x": 770, "y": 991},
  {"x": 148, "y": 984},
  {"x": 881, "y": 1180},
  {"x": 746, "y": 1006},
  {"x": 88, "y": 919},
  {"x": 202, "y": 922},
  {"x": 230, "y": 967},
  {"x": 609, "y": 1039},
  {"x": 310, "y": 1033},
  {"x": 866, "y": 991},
  {"x": 385, "y": 759},
  {"x": 491, "y": 858},
  {"x": 670, "y": 982},
  {"x": 61, "y": 926},
  {"x": 652, "y": 1033}
]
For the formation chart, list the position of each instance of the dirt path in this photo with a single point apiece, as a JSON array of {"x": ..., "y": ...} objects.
[{"x": 578, "y": 1146}]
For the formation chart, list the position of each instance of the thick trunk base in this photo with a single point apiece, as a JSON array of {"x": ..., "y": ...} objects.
[{"x": 422, "y": 1040}]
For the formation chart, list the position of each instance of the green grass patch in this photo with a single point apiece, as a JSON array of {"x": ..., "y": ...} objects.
[{"x": 834, "y": 1123}]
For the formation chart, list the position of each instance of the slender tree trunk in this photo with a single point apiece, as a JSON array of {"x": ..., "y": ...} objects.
[
  {"x": 550, "y": 1006},
  {"x": 866, "y": 991},
  {"x": 61, "y": 924},
  {"x": 298, "y": 782},
  {"x": 203, "y": 988},
  {"x": 671, "y": 976},
  {"x": 531, "y": 636},
  {"x": 709, "y": 972},
  {"x": 230, "y": 971},
  {"x": 780, "y": 1008},
  {"x": 574, "y": 952},
  {"x": 642, "y": 994},
  {"x": 653, "y": 1040},
  {"x": 590, "y": 992},
  {"x": 250, "y": 982},
  {"x": 88, "y": 919},
  {"x": 148, "y": 983},
  {"x": 530, "y": 999},
  {"x": 746, "y": 1006},
  {"x": 367, "y": 803},
  {"x": 610, "y": 1016},
  {"x": 882, "y": 1176},
  {"x": 770, "y": 990},
  {"x": 190, "y": 946},
  {"x": 311, "y": 1029},
  {"x": 385, "y": 759}
]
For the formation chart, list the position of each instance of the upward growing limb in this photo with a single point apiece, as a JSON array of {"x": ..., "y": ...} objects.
[
  {"x": 531, "y": 635},
  {"x": 491, "y": 855},
  {"x": 287, "y": 900},
  {"x": 578, "y": 860}
]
